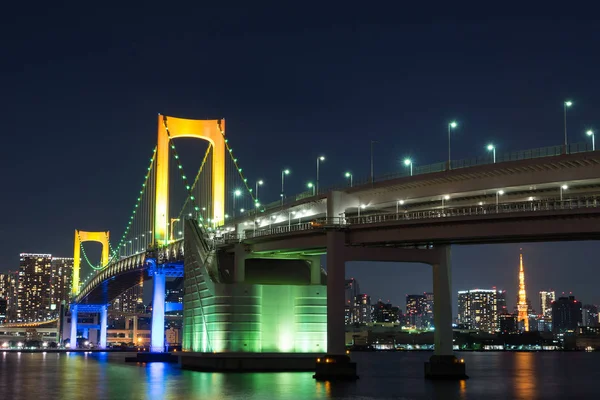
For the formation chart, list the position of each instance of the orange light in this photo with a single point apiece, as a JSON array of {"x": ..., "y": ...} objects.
[{"x": 318, "y": 360}]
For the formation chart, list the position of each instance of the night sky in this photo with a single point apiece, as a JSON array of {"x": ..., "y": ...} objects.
[{"x": 80, "y": 89}]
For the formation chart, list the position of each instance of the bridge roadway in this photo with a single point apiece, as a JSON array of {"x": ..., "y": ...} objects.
[{"x": 518, "y": 181}]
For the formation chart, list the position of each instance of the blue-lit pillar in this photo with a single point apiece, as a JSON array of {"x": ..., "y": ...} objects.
[
  {"x": 73, "y": 337},
  {"x": 103, "y": 326},
  {"x": 157, "y": 344}
]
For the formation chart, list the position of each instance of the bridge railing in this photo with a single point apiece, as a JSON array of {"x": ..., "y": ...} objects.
[{"x": 437, "y": 213}]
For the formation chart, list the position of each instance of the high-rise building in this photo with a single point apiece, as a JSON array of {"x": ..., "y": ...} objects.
[
  {"x": 3, "y": 310},
  {"x": 501, "y": 302},
  {"x": 416, "y": 310},
  {"x": 546, "y": 299},
  {"x": 351, "y": 290},
  {"x": 590, "y": 315},
  {"x": 385, "y": 312},
  {"x": 62, "y": 278},
  {"x": 34, "y": 290},
  {"x": 130, "y": 301},
  {"x": 8, "y": 292},
  {"x": 361, "y": 313},
  {"x": 522, "y": 305},
  {"x": 566, "y": 315},
  {"x": 507, "y": 323},
  {"x": 477, "y": 309},
  {"x": 428, "y": 316}
]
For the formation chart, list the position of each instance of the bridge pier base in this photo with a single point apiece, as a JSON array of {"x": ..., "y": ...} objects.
[
  {"x": 73, "y": 336},
  {"x": 103, "y": 326},
  {"x": 336, "y": 365},
  {"x": 157, "y": 342},
  {"x": 443, "y": 364}
]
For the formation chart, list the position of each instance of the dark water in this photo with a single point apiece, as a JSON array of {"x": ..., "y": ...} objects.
[{"x": 382, "y": 376}]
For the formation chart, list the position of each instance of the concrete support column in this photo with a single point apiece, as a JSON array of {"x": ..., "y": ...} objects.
[
  {"x": 315, "y": 270},
  {"x": 103, "y": 326},
  {"x": 73, "y": 337},
  {"x": 442, "y": 304},
  {"x": 157, "y": 343},
  {"x": 239, "y": 273},
  {"x": 336, "y": 277}
]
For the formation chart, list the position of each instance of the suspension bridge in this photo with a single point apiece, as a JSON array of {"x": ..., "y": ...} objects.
[{"x": 252, "y": 271}]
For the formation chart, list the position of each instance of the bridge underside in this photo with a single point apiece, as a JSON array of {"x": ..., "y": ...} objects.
[{"x": 108, "y": 290}]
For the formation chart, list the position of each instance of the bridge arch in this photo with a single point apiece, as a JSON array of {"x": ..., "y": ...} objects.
[
  {"x": 211, "y": 130},
  {"x": 84, "y": 236}
]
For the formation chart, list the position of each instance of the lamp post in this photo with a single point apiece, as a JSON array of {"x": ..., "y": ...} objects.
[
  {"x": 349, "y": 176},
  {"x": 446, "y": 197},
  {"x": 236, "y": 193},
  {"x": 319, "y": 159},
  {"x": 566, "y": 104},
  {"x": 311, "y": 186},
  {"x": 492, "y": 148},
  {"x": 591, "y": 133},
  {"x": 498, "y": 194},
  {"x": 361, "y": 207},
  {"x": 256, "y": 207},
  {"x": 372, "y": 176},
  {"x": 563, "y": 188},
  {"x": 398, "y": 204},
  {"x": 258, "y": 183},
  {"x": 408, "y": 163},
  {"x": 284, "y": 172},
  {"x": 451, "y": 126}
]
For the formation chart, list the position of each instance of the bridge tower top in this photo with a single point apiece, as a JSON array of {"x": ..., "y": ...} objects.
[
  {"x": 85, "y": 236},
  {"x": 213, "y": 131}
]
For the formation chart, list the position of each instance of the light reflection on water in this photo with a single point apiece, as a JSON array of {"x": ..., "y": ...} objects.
[{"x": 383, "y": 376}]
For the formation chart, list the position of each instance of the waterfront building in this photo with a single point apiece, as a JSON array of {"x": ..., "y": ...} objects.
[
  {"x": 546, "y": 299},
  {"x": 428, "y": 315},
  {"x": 34, "y": 290},
  {"x": 507, "y": 323},
  {"x": 62, "y": 279},
  {"x": 361, "y": 313},
  {"x": 589, "y": 315},
  {"x": 8, "y": 292},
  {"x": 477, "y": 309},
  {"x": 416, "y": 305},
  {"x": 385, "y": 313},
  {"x": 566, "y": 315}
]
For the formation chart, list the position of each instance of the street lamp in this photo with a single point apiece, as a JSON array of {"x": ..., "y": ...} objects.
[
  {"x": 451, "y": 126},
  {"x": 408, "y": 163},
  {"x": 566, "y": 104},
  {"x": 284, "y": 172},
  {"x": 398, "y": 204},
  {"x": 361, "y": 207},
  {"x": 319, "y": 159},
  {"x": 258, "y": 183},
  {"x": 562, "y": 188},
  {"x": 236, "y": 193},
  {"x": 591, "y": 133},
  {"x": 498, "y": 194},
  {"x": 311, "y": 186},
  {"x": 446, "y": 197},
  {"x": 349, "y": 175},
  {"x": 492, "y": 148}
]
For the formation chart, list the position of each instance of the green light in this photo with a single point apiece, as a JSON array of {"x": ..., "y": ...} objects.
[
  {"x": 568, "y": 103},
  {"x": 235, "y": 160},
  {"x": 184, "y": 177},
  {"x": 192, "y": 197},
  {"x": 490, "y": 147},
  {"x": 180, "y": 166},
  {"x": 407, "y": 162},
  {"x": 310, "y": 184},
  {"x": 453, "y": 124},
  {"x": 187, "y": 187},
  {"x": 237, "y": 192}
]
